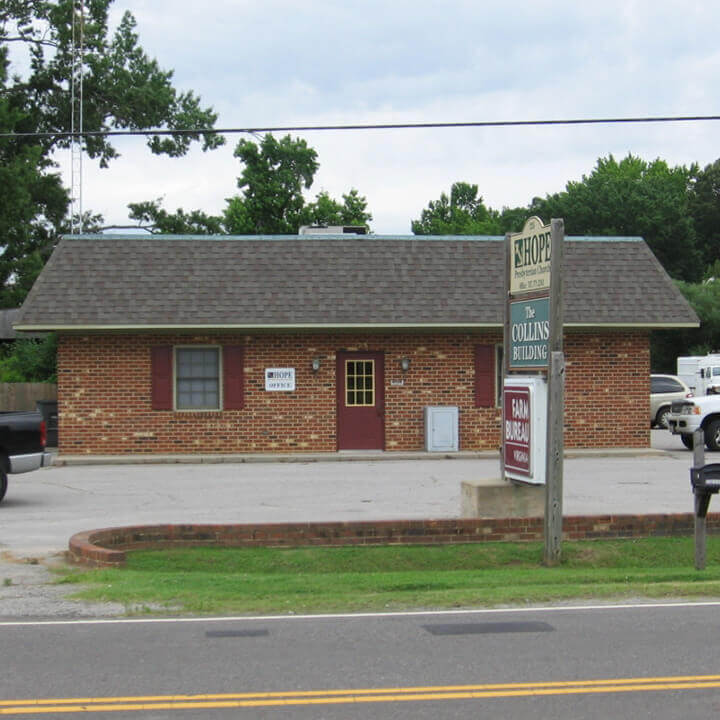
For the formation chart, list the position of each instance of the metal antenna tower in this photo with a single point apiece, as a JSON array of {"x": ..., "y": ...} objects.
[{"x": 76, "y": 116}]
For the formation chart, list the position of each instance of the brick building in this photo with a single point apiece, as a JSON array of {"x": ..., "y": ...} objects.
[{"x": 325, "y": 343}]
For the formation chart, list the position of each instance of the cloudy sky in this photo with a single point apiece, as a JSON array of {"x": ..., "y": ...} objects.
[{"x": 281, "y": 62}]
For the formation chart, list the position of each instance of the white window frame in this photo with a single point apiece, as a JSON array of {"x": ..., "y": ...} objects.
[{"x": 218, "y": 349}]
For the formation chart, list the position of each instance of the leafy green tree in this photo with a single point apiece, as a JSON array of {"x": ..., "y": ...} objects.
[
  {"x": 32, "y": 202},
  {"x": 152, "y": 217},
  {"x": 123, "y": 89},
  {"x": 275, "y": 174},
  {"x": 274, "y": 177},
  {"x": 512, "y": 220},
  {"x": 30, "y": 360},
  {"x": 326, "y": 211},
  {"x": 633, "y": 197},
  {"x": 667, "y": 345},
  {"x": 462, "y": 213},
  {"x": 704, "y": 204}
]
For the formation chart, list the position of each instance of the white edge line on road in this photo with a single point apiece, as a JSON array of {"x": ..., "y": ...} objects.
[{"x": 357, "y": 616}]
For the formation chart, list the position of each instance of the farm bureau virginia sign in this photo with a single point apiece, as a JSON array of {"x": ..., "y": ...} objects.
[{"x": 516, "y": 429}]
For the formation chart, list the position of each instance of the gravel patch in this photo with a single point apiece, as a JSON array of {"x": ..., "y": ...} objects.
[{"x": 27, "y": 590}]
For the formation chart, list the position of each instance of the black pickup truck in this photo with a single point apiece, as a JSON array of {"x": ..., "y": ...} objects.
[{"x": 22, "y": 445}]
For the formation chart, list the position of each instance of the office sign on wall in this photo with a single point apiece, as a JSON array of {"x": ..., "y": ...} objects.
[{"x": 279, "y": 379}]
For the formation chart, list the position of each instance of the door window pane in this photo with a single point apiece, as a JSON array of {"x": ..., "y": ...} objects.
[{"x": 359, "y": 383}]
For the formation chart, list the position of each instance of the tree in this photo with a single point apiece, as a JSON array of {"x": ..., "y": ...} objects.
[
  {"x": 153, "y": 218},
  {"x": 512, "y": 220},
  {"x": 272, "y": 182},
  {"x": 30, "y": 360},
  {"x": 704, "y": 204},
  {"x": 123, "y": 89},
  {"x": 463, "y": 213},
  {"x": 326, "y": 211},
  {"x": 32, "y": 203},
  {"x": 633, "y": 197},
  {"x": 667, "y": 345},
  {"x": 275, "y": 174}
]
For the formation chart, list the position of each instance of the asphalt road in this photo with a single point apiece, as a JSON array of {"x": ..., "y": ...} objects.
[
  {"x": 42, "y": 510},
  {"x": 634, "y": 661},
  {"x": 561, "y": 663}
]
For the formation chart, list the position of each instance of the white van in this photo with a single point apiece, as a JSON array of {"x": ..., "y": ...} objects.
[{"x": 700, "y": 373}]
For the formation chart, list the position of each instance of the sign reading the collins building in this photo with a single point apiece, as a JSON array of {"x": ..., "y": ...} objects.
[
  {"x": 529, "y": 333},
  {"x": 530, "y": 258}
]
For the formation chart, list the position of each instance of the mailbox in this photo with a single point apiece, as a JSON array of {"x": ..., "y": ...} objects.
[{"x": 705, "y": 482}]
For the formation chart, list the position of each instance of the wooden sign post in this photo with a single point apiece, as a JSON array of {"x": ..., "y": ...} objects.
[
  {"x": 533, "y": 346},
  {"x": 556, "y": 405}
]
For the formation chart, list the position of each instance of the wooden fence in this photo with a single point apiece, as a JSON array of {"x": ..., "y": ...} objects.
[{"x": 24, "y": 396}]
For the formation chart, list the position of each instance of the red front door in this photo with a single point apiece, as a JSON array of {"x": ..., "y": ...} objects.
[{"x": 360, "y": 401}]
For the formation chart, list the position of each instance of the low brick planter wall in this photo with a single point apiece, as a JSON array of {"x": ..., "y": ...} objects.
[{"x": 107, "y": 546}]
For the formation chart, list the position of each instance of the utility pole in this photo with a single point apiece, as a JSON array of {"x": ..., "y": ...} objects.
[
  {"x": 76, "y": 115},
  {"x": 555, "y": 409}
]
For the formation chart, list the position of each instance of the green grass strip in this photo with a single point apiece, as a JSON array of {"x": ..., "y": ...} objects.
[{"x": 306, "y": 580}]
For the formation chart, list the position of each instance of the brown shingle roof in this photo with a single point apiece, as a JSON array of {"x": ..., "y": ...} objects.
[{"x": 101, "y": 281}]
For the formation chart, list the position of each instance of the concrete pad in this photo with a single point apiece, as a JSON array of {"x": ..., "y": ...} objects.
[{"x": 497, "y": 498}]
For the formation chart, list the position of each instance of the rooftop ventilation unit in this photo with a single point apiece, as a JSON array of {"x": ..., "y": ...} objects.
[{"x": 332, "y": 230}]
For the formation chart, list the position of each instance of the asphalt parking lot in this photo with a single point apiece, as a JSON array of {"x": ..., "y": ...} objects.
[{"x": 44, "y": 509}]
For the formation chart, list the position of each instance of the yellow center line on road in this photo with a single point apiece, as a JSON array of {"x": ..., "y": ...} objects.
[{"x": 359, "y": 695}]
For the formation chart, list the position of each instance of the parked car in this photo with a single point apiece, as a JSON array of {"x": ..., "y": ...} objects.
[
  {"x": 23, "y": 436},
  {"x": 664, "y": 390},
  {"x": 698, "y": 413}
]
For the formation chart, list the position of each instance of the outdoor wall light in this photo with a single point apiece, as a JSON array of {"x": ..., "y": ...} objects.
[
  {"x": 315, "y": 364},
  {"x": 405, "y": 364}
]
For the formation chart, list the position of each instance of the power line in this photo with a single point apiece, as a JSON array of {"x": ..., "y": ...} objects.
[{"x": 379, "y": 126}]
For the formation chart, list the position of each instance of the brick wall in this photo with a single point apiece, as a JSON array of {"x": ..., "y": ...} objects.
[
  {"x": 104, "y": 385},
  {"x": 107, "y": 546},
  {"x": 607, "y": 390}
]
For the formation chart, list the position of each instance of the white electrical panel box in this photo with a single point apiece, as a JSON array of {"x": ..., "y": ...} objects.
[
  {"x": 441, "y": 429},
  {"x": 524, "y": 431}
]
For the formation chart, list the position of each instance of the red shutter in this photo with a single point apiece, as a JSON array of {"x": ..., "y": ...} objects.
[
  {"x": 162, "y": 389},
  {"x": 484, "y": 376},
  {"x": 233, "y": 377}
]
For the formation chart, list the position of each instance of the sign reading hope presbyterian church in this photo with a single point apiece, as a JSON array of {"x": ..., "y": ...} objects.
[{"x": 530, "y": 258}]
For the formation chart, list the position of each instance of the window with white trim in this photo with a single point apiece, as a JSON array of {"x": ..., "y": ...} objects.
[{"x": 197, "y": 378}]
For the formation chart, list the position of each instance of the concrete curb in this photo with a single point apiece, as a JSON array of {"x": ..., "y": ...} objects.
[{"x": 62, "y": 460}]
